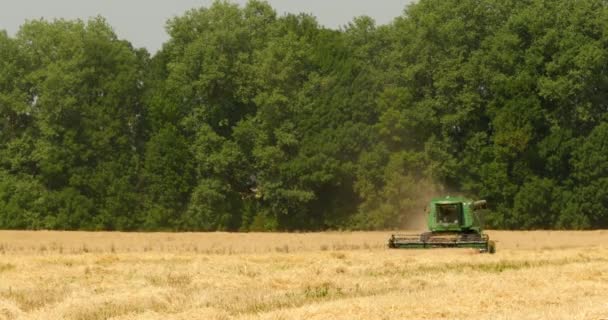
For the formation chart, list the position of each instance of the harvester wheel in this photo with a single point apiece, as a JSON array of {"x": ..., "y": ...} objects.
[{"x": 491, "y": 247}]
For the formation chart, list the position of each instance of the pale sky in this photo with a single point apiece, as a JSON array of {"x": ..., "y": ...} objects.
[{"x": 142, "y": 22}]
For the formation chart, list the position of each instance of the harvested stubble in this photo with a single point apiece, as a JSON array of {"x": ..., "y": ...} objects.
[{"x": 534, "y": 275}]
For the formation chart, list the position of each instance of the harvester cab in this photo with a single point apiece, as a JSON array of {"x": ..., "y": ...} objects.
[{"x": 453, "y": 222}]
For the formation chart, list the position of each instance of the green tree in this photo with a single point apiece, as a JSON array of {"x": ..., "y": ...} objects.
[{"x": 76, "y": 98}]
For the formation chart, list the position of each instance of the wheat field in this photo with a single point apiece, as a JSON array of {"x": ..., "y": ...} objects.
[{"x": 80, "y": 275}]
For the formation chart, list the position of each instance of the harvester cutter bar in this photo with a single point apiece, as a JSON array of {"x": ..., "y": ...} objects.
[{"x": 429, "y": 240}]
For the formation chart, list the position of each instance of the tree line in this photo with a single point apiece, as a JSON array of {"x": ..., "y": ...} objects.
[{"x": 246, "y": 120}]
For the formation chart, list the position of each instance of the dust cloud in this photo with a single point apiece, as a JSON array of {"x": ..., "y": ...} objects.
[{"x": 413, "y": 215}]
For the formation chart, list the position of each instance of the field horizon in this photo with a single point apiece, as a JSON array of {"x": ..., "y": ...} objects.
[{"x": 335, "y": 275}]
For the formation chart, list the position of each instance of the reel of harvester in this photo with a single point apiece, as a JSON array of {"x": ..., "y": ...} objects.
[{"x": 452, "y": 223}]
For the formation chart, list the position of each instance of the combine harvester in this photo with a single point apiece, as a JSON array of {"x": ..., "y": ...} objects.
[{"x": 453, "y": 222}]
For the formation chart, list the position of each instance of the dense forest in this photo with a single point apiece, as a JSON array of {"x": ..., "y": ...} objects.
[{"x": 247, "y": 120}]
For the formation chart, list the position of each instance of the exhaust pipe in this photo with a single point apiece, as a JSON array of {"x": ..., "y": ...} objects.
[{"x": 480, "y": 204}]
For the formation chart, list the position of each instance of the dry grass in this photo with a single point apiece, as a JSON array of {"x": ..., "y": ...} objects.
[{"x": 64, "y": 275}]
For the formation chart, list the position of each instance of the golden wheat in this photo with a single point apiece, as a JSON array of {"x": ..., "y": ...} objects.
[{"x": 79, "y": 275}]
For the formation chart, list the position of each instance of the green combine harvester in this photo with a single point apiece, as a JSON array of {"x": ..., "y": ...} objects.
[{"x": 453, "y": 222}]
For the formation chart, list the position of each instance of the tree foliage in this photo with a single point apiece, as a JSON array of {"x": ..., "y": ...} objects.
[{"x": 248, "y": 120}]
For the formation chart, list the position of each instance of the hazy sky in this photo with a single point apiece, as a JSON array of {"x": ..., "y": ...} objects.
[{"x": 142, "y": 22}]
